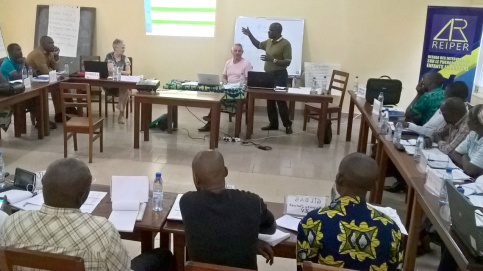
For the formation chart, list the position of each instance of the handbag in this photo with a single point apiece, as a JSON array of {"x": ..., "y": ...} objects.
[
  {"x": 8, "y": 89},
  {"x": 391, "y": 88}
]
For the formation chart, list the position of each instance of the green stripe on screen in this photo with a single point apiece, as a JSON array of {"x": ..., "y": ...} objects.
[
  {"x": 183, "y": 9},
  {"x": 183, "y": 22}
]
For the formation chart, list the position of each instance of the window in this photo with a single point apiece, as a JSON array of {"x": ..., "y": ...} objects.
[{"x": 191, "y": 18}]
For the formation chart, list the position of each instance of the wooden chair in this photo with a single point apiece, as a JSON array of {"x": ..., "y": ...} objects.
[
  {"x": 97, "y": 91},
  {"x": 10, "y": 257},
  {"x": 312, "y": 110},
  {"x": 110, "y": 98},
  {"x": 310, "y": 266},
  {"x": 80, "y": 124},
  {"x": 197, "y": 266}
]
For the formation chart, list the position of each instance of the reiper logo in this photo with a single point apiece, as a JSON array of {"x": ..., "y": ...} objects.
[{"x": 453, "y": 34}]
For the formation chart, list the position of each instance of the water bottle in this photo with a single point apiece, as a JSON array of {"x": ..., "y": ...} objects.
[
  {"x": 385, "y": 122},
  {"x": 356, "y": 85},
  {"x": 418, "y": 148},
  {"x": 31, "y": 74},
  {"x": 2, "y": 169},
  {"x": 380, "y": 98},
  {"x": 324, "y": 85},
  {"x": 25, "y": 74},
  {"x": 397, "y": 132},
  {"x": 118, "y": 73},
  {"x": 158, "y": 193},
  {"x": 66, "y": 69},
  {"x": 313, "y": 88},
  {"x": 242, "y": 80},
  {"x": 443, "y": 193},
  {"x": 294, "y": 82}
]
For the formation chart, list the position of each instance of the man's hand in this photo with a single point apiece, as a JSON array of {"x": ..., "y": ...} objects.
[
  {"x": 246, "y": 31},
  {"x": 267, "y": 58},
  {"x": 5, "y": 206},
  {"x": 21, "y": 61},
  {"x": 264, "y": 249},
  {"x": 56, "y": 51},
  {"x": 420, "y": 87},
  {"x": 405, "y": 124}
]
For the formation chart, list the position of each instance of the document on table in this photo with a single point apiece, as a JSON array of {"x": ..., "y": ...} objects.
[
  {"x": 288, "y": 222},
  {"x": 124, "y": 214},
  {"x": 274, "y": 239},
  {"x": 476, "y": 200},
  {"x": 175, "y": 213},
  {"x": 35, "y": 203},
  {"x": 391, "y": 213},
  {"x": 15, "y": 196},
  {"x": 130, "y": 78}
]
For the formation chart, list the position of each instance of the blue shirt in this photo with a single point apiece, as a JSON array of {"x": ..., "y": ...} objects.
[
  {"x": 350, "y": 234},
  {"x": 9, "y": 66}
]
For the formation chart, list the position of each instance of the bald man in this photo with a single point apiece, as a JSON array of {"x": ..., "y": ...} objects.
[
  {"x": 222, "y": 225},
  {"x": 349, "y": 233},
  {"x": 62, "y": 228}
]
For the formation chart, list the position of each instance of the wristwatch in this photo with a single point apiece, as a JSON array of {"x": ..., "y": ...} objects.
[{"x": 274, "y": 60}]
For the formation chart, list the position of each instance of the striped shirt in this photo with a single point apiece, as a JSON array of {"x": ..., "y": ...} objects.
[
  {"x": 68, "y": 232},
  {"x": 473, "y": 147},
  {"x": 452, "y": 135}
]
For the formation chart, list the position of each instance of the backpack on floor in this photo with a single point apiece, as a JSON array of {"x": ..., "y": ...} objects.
[{"x": 161, "y": 123}]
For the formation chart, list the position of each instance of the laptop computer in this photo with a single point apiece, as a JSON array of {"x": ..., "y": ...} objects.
[
  {"x": 23, "y": 180},
  {"x": 261, "y": 80},
  {"x": 97, "y": 66},
  {"x": 208, "y": 79}
]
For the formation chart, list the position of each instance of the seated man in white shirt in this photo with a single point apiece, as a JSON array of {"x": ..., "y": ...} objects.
[
  {"x": 234, "y": 68},
  {"x": 456, "y": 89},
  {"x": 61, "y": 227}
]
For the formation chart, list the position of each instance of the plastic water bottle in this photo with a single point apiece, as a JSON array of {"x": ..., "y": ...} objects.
[
  {"x": 118, "y": 72},
  {"x": 356, "y": 85},
  {"x": 66, "y": 69},
  {"x": 380, "y": 98},
  {"x": 294, "y": 82},
  {"x": 385, "y": 127},
  {"x": 324, "y": 85},
  {"x": 31, "y": 74},
  {"x": 158, "y": 193},
  {"x": 397, "y": 132},
  {"x": 443, "y": 193},
  {"x": 242, "y": 80},
  {"x": 2, "y": 169},
  {"x": 25, "y": 74},
  {"x": 313, "y": 88},
  {"x": 418, "y": 147}
]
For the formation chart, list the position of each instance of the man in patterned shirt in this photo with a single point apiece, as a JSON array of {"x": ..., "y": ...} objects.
[
  {"x": 429, "y": 98},
  {"x": 349, "y": 233},
  {"x": 60, "y": 227}
]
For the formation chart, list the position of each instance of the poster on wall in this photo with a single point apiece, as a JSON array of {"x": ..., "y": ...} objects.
[{"x": 452, "y": 43}]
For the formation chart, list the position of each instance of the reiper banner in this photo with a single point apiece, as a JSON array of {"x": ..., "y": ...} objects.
[{"x": 452, "y": 43}]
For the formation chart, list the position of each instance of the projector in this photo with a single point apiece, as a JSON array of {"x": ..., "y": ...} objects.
[{"x": 147, "y": 85}]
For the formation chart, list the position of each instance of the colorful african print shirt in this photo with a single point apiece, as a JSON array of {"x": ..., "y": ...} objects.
[
  {"x": 427, "y": 105},
  {"x": 350, "y": 234}
]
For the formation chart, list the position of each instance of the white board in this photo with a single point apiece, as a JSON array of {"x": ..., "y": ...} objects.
[
  {"x": 63, "y": 28},
  {"x": 293, "y": 31},
  {"x": 3, "y": 51}
]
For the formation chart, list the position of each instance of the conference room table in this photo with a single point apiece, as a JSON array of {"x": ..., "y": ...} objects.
[
  {"x": 285, "y": 249},
  {"x": 270, "y": 94}
]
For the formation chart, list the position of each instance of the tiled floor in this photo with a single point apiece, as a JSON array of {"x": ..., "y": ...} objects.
[{"x": 294, "y": 165}]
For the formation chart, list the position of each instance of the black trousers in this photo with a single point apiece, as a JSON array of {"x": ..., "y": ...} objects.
[
  {"x": 280, "y": 80},
  {"x": 154, "y": 260}
]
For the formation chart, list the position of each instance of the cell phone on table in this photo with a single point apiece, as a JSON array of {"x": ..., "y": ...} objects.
[{"x": 1, "y": 203}]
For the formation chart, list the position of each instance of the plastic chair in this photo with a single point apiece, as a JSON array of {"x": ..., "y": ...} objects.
[
  {"x": 10, "y": 257},
  {"x": 312, "y": 110},
  {"x": 93, "y": 126},
  {"x": 197, "y": 266},
  {"x": 97, "y": 91}
]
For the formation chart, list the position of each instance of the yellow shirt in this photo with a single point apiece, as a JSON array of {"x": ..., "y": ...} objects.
[{"x": 41, "y": 61}]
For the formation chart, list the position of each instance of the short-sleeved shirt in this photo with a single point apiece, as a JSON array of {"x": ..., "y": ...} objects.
[
  {"x": 350, "y": 234},
  {"x": 278, "y": 49},
  {"x": 234, "y": 70},
  {"x": 427, "y": 105},
  {"x": 41, "y": 61},
  {"x": 473, "y": 147},
  {"x": 222, "y": 228},
  {"x": 452, "y": 135},
  {"x": 9, "y": 66},
  {"x": 123, "y": 63}
]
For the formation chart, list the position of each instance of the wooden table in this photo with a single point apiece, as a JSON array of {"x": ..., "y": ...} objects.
[
  {"x": 268, "y": 94},
  {"x": 145, "y": 230},
  {"x": 286, "y": 249},
  {"x": 173, "y": 99}
]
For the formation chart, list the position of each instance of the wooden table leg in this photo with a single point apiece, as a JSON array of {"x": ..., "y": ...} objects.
[
  {"x": 19, "y": 119},
  {"x": 291, "y": 109},
  {"x": 179, "y": 251},
  {"x": 378, "y": 189},
  {"x": 238, "y": 116},
  {"x": 365, "y": 135},
  {"x": 250, "y": 115},
  {"x": 215, "y": 125},
  {"x": 350, "y": 118},
  {"x": 361, "y": 132},
  {"x": 146, "y": 120},
  {"x": 45, "y": 94},
  {"x": 40, "y": 115},
  {"x": 413, "y": 236},
  {"x": 147, "y": 241},
  {"x": 175, "y": 117},
  {"x": 409, "y": 209},
  {"x": 322, "y": 121},
  {"x": 170, "y": 119},
  {"x": 137, "y": 109},
  {"x": 164, "y": 240}
]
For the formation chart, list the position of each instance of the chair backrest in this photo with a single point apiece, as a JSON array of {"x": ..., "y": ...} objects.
[
  {"x": 80, "y": 98},
  {"x": 87, "y": 58},
  {"x": 339, "y": 83},
  {"x": 197, "y": 266},
  {"x": 310, "y": 266},
  {"x": 10, "y": 257},
  {"x": 130, "y": 59}
]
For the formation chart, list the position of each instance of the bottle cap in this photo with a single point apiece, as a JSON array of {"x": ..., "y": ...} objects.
[
  {"x": 399, "y": 120},
  {"x": 449, "y": 170},
  {"x": 421, "y": 135},
  {"x": 158, "y": 174}
]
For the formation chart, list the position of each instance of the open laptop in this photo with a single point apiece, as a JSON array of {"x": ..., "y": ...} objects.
[
  {"x": 208, "y": 79},
  {"x": 97, "y": 66},
  {"x": 23, "y": 180},
  {"x": 260, "y": 80}
]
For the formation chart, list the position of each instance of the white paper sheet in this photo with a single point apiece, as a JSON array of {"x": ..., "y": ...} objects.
[
  {"x": 288, "y": 222},
  {"x": 35, "y": 203},
  {"x": 392, "y": 213},
  {"x": 275, "y": 238},
  {"x": 132, "y": 205},
  {"x": 476, "y": 200},
  {"x": 63, "y": 28},
  {"x": 15, "y": 195},
  {"x": 130, "y": 78},
  {"x": 124, "y": 220},
  {"x": 175, "y": 213},
  {"x": 127, "y": 188}
]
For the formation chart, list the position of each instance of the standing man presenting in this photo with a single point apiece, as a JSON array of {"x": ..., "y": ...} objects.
[{"x": 277, "y": 58}]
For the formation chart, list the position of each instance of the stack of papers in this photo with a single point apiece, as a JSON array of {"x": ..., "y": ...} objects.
[
  {"x": 289, "y": 222},
  {"x": 274, "y": 239},
  {"x": 14, "y": 196},
  {"x": 175, "y": 213},
  {"x": 128, "y": 78}
]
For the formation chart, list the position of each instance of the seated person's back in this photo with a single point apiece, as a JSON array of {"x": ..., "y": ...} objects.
[
  {"x": 348, "y": 233},
  {"x": 222, "y": 225}
]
